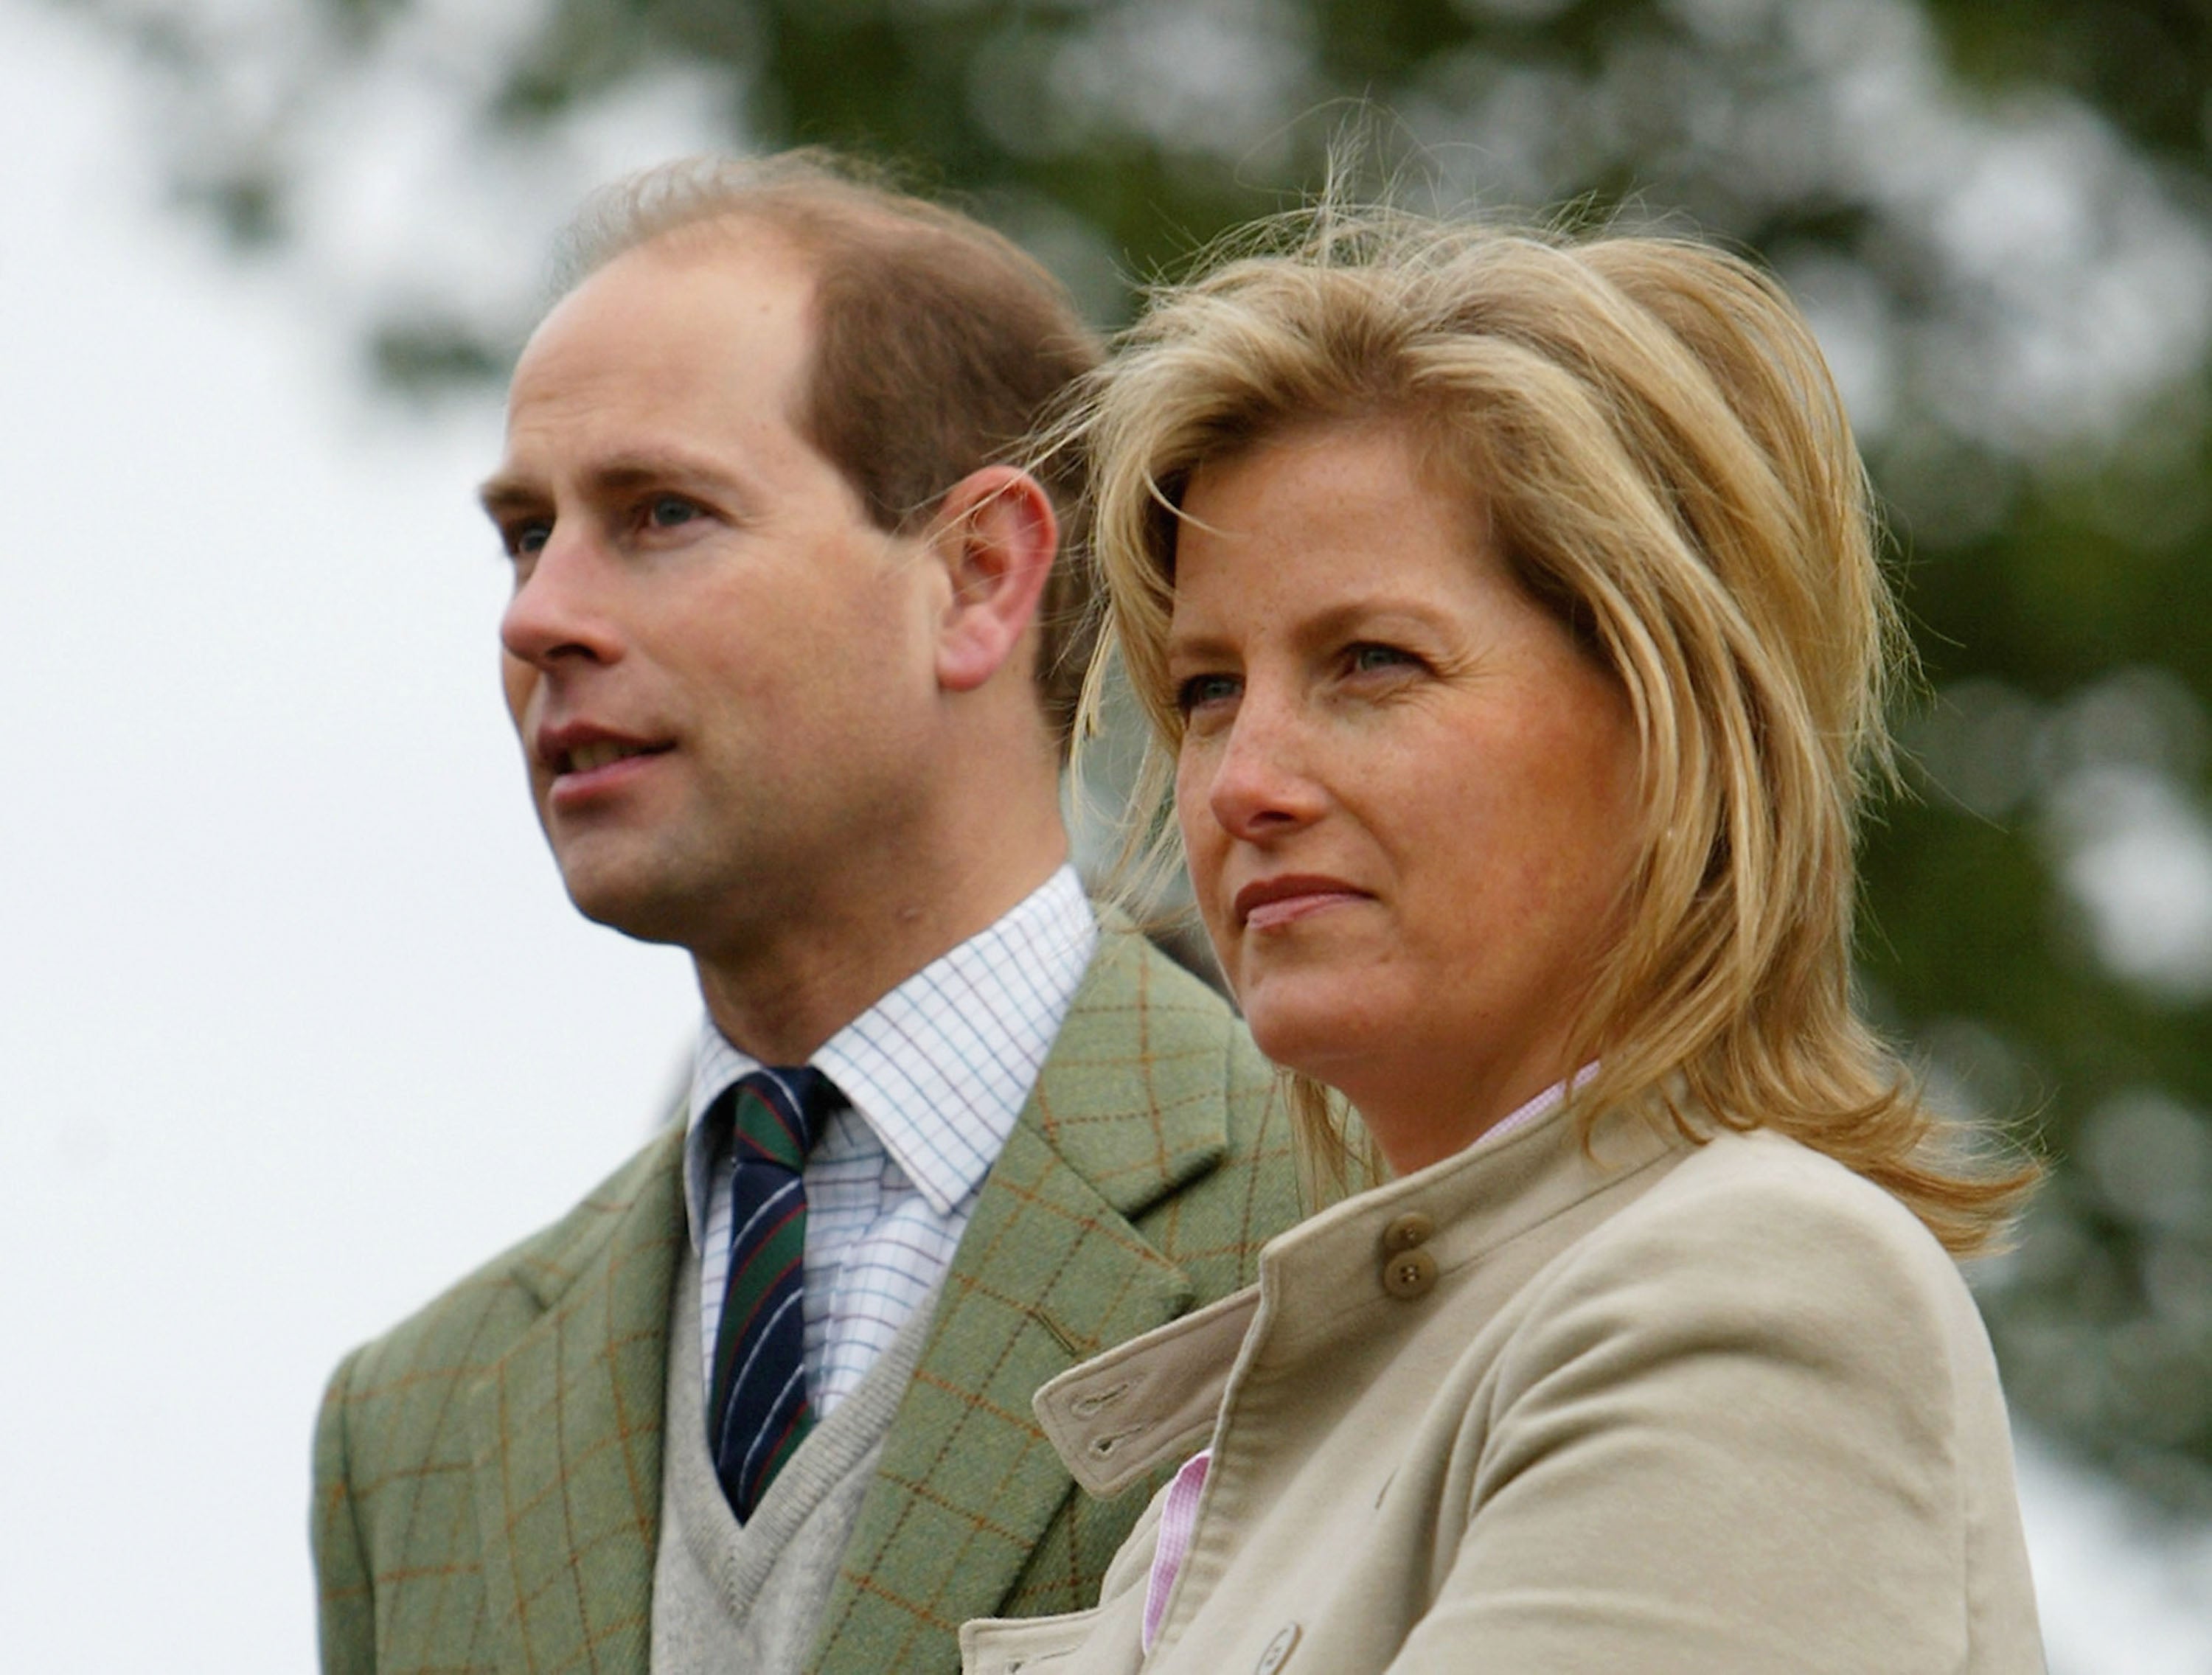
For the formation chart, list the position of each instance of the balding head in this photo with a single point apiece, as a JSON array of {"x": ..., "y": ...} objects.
[{"x": 939, "y": 344}]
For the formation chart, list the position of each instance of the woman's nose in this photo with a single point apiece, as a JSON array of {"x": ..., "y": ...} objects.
[{"x": 1263, "y": 782}]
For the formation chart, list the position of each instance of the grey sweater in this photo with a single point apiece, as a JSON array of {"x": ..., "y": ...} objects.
[{"x": 749, "y": 1599}]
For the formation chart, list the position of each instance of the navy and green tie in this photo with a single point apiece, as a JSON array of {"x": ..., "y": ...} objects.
[{"x": 757, "y": 1411}]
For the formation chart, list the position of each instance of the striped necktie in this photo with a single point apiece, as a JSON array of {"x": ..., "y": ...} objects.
[{"x": 757, "y": 1412}]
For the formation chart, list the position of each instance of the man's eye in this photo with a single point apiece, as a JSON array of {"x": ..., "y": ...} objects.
[
  {"x": 527, "y": 540},
  {"x": 1200, "y": 690},
  {"x": 669, "y": 511}
]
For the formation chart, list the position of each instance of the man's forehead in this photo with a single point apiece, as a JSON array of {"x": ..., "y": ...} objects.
[
  {"x": 737, "y": 264},
  {"x": 658, "y": 337},
  {"x": 652, "y": 305}
]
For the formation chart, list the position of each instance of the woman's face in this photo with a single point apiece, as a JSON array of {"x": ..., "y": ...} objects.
[{"x": 1408, "y": 799}]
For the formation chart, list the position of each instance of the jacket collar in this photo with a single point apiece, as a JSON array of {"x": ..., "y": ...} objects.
[
  {"x": 1052, "y": 1268},
  {"x": 1146, "y": 1404},
  {"x": 566, "y": 1427}
]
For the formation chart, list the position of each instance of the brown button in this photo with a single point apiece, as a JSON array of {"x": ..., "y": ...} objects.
[
  {"x": 1407, "y": 1231},
  {"x": 1409, "y": 1274}
]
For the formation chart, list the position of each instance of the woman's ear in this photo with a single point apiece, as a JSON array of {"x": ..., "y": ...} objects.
[{"x": 996, "y": 534}]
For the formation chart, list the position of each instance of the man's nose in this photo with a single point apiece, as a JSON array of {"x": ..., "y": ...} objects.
[{"x": 562, "y": 607}]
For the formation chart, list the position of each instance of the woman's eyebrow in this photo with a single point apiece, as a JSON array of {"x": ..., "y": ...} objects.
[{"x": 1206, "y": 645}]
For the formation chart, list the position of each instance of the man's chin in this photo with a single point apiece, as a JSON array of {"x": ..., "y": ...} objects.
[{"x": 633, "y": 907}]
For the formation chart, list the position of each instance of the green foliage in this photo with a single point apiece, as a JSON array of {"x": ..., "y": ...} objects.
[{"x": 2144, "y": 64}]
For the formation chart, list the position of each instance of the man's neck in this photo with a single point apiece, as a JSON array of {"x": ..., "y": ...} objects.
[{"x": 779, "y": 999}]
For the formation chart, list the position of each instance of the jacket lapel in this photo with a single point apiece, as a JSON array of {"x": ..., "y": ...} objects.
[
  {"x": 566, "y": 1430},
  {"x": 1050, "y": 1271}
]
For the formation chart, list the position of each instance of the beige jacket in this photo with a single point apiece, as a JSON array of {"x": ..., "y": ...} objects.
[{"x": 1714, "y": 1409}]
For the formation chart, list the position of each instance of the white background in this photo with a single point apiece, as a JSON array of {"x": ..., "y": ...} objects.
[{"x": 295, "y": 1024}]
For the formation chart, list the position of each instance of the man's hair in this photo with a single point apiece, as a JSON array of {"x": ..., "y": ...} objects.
[
  {"x": 1653, "y": 443},
  {"x": 939, "y": 345}
]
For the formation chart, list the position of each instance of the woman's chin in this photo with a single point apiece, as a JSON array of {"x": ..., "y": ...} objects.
[{"x": 1312, "y": 1034}]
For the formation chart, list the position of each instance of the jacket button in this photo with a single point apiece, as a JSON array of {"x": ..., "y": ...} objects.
[
  {"x": 1279, "y": 1650},
  {"x": 1407, "y": 1231},
  {"x": 1409, "y": 1274}
]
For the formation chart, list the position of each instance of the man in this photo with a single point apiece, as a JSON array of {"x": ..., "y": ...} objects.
[{"x": 792, "y": 651}]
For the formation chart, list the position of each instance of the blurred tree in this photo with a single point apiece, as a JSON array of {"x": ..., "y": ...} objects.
[{"x": 1995, "y": 210}]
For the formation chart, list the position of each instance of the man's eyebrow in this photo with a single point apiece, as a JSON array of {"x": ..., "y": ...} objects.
[
  {"x": 500, "y": 495},
  {"x": 619, "y": 474}
]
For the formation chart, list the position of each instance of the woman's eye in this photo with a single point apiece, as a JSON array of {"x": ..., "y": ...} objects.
[
  {"x": 1200, "y": 690},
  {"x": 1367, "y": 658}
]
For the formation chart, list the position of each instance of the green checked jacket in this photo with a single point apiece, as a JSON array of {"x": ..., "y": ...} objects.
[{"x": 487, "y": 1474}]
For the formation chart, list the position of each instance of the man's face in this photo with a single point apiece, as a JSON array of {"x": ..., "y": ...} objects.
[{"x": 721, "y": 670}]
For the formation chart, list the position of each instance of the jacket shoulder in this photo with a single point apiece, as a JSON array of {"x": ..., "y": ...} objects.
[
  {"x": 471, "y": 1321},
  {"x": 395, "y": 1410},
  {"x": 394, "y": 1521},
  {"x": 1759, "y": 1376},
  {"x": 1798, "y": 1208},
  {"x": 1756, "y": 1253}
]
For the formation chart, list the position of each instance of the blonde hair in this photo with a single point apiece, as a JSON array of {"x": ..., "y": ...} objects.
[{"x": 1654, "y": 441}]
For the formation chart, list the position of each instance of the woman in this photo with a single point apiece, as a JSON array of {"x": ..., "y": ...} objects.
[{"x": 1507, "y": 612}]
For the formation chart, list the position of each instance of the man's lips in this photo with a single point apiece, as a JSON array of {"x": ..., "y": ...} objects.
[
  {"x": 579, "y": 751},
  {"x": 1278, "y": 900}
]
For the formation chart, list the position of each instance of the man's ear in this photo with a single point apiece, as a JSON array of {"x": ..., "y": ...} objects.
[{"x": 997, "y": 535}]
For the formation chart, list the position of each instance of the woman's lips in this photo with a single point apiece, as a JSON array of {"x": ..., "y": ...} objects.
[{"x": 1267, "y": 903}]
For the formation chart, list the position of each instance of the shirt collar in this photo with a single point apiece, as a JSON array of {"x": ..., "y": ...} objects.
[
  {"x": 1537, "y": 1108},
  {"x": 940, "y": 1068}
]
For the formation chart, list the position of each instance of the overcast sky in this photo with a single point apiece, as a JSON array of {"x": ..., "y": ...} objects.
[{"x": 295, "y": 1024}]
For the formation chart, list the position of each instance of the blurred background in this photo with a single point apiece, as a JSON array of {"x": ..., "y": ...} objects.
[{"x": 295, "y": 1024}]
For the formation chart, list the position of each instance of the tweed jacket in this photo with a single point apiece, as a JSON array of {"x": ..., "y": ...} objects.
[
  {"x": 1718, "y": 1409},
  {"x": 487, "y": 1474}
]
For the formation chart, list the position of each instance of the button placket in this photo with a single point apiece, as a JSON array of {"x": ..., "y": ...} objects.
[
  {"x": 1408, "y": 1271},
  {"x": 1279, "y": 1650},
  {"x": 1102, "y": 1448},
  {"x": 1088, "y": 1405}
]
